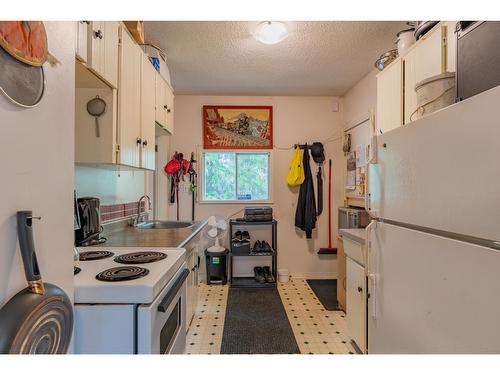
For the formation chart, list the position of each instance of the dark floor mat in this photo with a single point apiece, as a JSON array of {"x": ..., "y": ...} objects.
[
  {"x": 256, "y": 323},
  {"x": 326, "y": 291}
]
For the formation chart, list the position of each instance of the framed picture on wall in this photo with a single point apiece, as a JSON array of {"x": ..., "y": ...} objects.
[{"x": 237, "y": 127}]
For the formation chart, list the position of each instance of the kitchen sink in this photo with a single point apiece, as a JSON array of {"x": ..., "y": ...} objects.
[{"x": 158, "y": 224}]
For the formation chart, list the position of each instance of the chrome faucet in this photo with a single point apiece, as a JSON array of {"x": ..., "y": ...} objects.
[{"x": 137, "y": 219}]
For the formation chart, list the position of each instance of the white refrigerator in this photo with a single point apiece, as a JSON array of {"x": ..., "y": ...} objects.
[{"x": 434, "y": 242}]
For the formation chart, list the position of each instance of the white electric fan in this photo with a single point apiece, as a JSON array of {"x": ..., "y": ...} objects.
[{"x": 216, "y": 229}]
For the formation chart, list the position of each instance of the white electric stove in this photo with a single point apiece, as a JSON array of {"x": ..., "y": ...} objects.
[{"x": 130, "y": 300}]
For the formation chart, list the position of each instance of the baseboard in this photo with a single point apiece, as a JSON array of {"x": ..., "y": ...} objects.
[
  {"x": 314, "y": 275},
  {"x": 294, "y": 275}
]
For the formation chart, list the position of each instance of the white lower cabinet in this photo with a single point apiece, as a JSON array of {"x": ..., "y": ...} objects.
[{"x": 356, "y": 303}]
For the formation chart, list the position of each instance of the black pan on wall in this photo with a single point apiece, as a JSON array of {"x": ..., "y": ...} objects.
[{"x": 38, "y": 319}]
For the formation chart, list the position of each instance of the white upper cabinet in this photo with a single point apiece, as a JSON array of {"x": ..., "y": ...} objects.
[
  {"x": 431, "y": 55},
  {"x": 82, "y": 29},
  {"x": 427, "y": 59},
  {"x": 102, "y": 55},
  {"x": 390, "y": 97},
  {"x": 129, "y": 100},
  {"x": 148, "y": 126},
  {"x": 164, "y": 104},
  {"x": 127, "y": 128}
]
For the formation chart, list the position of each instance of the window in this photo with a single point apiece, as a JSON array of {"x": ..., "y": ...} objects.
[{"x": 236, "y": 176}]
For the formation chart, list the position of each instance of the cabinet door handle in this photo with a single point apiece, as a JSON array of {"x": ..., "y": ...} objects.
[
  {"x": 98, "y": 34},
  {"x": 87, "y": 22},
  {"x": 165, "y": 107},
  {"x": 138, "y": 141},
  {"x": 144, "y": 143},
  {"x": 360, "y": 289}
]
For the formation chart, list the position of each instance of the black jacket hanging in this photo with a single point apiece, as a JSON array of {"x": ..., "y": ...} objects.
[{"x": 305, "y": 215}]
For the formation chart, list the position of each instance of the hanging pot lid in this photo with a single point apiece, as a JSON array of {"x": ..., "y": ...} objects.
[
  {"x": 405, "y": 31},
  {"x": 23, "y": 84},
  {"x": 26, "y": 41}
]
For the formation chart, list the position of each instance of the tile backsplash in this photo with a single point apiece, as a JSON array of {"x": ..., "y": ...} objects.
[{"x": 118, "y": 211}]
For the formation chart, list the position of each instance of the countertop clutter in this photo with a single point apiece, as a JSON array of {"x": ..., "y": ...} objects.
[{"x": 128, "y": 236}]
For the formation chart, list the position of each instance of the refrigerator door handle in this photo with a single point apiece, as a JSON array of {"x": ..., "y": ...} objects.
[
  {"x": 373, "y": 294},
  {"x": 371, "y": 160},
  {"x": 372, "y": 277}
]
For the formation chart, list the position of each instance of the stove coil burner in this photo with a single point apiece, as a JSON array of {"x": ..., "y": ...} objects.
[
  {"x": 122, "y": 273},
  {"x": 140, "y": 257},
  {"x": 95, "y": 255}
]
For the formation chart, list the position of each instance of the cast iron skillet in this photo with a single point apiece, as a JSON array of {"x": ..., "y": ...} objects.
[{"x": 38, "y": 319}]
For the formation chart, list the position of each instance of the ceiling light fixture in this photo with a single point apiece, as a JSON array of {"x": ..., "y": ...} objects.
[{"x": 271, "y": 32}]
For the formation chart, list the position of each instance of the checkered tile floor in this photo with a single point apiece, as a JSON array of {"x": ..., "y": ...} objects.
[{"x": 316, "y": 330}]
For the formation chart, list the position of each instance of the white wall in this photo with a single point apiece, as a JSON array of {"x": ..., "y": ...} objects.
[
  {"x": 296, "y": 119},
  {"x": 36, "y": 160}
]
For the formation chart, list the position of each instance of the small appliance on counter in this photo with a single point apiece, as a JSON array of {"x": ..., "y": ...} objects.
[
  {"x": 477, "y": 58},
  {"x": 88, "y": 215},
  {"x": 353, "y": 217}
]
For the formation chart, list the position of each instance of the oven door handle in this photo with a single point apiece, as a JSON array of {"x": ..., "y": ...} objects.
[{"x": 169, "y": 297}]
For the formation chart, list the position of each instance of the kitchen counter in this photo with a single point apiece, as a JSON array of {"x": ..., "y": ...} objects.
[
  {"x": 357, "y": 235},
  {"x": 128, "y": 236}
]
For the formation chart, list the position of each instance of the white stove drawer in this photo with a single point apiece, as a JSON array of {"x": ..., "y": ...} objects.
[{"x": 104, "y": 329}]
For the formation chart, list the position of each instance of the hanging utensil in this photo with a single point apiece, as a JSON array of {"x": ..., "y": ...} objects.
[
  {"x": 22, "y": 84},
  {"x": 96, "y": 107},
  {"x": 38, "y": 319}
]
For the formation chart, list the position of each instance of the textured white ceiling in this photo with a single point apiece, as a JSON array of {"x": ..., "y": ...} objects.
[{"x": 223, "y": 58}]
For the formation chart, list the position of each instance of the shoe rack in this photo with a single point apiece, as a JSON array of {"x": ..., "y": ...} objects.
[{"x": 250, "y": 282}]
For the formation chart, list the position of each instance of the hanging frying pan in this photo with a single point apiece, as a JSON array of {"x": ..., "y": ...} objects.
[
  {"x": 38, "y": 319},
  {"x": 23, "y": 84},
  {"x": 24, "y": 50}
]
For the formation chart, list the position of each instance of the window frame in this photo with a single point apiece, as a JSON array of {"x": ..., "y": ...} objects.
[{"x": 201, "y": 182}]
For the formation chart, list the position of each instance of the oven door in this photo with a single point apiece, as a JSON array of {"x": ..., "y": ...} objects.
[{"x": 161, "y": 326}]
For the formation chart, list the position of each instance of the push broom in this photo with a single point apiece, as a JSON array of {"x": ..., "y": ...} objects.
[{"x": 329, "y": 249}]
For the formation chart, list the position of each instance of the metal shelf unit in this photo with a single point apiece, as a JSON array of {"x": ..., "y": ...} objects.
[{"x": 250, "y": 282}]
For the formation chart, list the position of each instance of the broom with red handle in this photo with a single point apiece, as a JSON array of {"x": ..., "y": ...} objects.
[{"x": 329, "y": 249}]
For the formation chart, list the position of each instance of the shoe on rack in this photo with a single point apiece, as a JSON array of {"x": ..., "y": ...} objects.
[
  {"x": 257, "y": 246},
  {"x": 237, "y": 236},
  {"x": 268, "y": 275},
  {"x": 259, "y": 275},
  {"x": 266, "y": 248},
  {"x": 245, "y": 236}
]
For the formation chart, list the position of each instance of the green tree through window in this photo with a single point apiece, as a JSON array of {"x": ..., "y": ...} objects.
[{"x": 239, "y": 176}]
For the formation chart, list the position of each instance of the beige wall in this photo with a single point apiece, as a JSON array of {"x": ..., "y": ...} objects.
[
  {"x": 296, "y": 119},
  {"x": 361, "y": 98},
  {"x": 36, "y": 160},
  {"x": 357, "y": 103}
]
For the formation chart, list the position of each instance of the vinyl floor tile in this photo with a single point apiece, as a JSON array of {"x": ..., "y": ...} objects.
[{"x": 316, "y": 330}]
